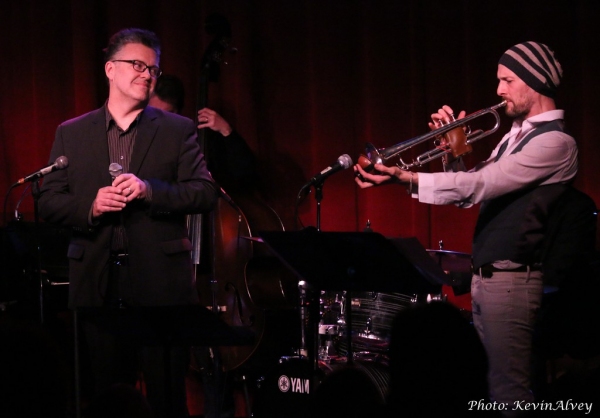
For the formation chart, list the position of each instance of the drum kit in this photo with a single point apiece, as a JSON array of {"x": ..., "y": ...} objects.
[
  {"x": 359, "y": 338},
  {"x": 373, "y": 313}
]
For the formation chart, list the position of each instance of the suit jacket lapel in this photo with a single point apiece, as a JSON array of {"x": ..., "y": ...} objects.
[
  {"x": 98, "y": 144},
  {"x": 146, "y": 131}
]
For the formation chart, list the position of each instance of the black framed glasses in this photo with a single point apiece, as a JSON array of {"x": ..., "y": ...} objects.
[{"x": 141, "y": 66}]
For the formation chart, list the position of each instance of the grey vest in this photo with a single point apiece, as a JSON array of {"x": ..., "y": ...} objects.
[{"x": 512, "y": 226}]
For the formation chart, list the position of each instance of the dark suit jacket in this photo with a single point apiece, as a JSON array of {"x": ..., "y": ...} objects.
[{"x": 167, "y": 155}]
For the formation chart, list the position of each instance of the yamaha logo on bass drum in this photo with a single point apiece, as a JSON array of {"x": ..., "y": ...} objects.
[{"x": 294, "y": 384}]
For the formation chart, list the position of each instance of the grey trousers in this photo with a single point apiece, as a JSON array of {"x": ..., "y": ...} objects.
[{"x": 504, "y": 314}]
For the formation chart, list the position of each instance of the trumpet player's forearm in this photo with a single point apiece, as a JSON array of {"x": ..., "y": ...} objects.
[
  {"x": 406, "y": 177},
  {"x": 410, "y": 179}
]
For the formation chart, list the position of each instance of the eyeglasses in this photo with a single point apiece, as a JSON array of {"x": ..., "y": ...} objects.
[{"x": 141, "y": 66}]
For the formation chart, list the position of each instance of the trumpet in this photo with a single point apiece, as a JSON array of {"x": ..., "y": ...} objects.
[{"x": 453, "y": 137}]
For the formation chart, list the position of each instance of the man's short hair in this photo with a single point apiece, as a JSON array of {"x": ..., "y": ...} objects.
[{"x": 131, "y": 36}]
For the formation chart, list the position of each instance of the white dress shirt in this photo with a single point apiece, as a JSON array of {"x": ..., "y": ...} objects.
[{"x": 548, "y": 158}]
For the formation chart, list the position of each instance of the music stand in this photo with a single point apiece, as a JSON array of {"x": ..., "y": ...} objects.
[
  {"x": 165, "y": 326},
  {"x": 356, "y": 261}
]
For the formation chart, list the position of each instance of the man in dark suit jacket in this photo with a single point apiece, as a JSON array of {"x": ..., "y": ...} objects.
[{"x": 130, "y": 244}]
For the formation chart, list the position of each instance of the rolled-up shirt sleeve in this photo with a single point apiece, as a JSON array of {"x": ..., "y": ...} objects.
[{"x": 546, "y": 159}]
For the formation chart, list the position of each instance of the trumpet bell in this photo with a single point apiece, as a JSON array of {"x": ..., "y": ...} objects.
[{"x": 371, "y": 157}]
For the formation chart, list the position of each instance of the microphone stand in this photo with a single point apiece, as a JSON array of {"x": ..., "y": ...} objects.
[
  {"x": 314, "y": 313},
  {"x": 309, "y": 307},
  {"x": 318, "y": 198},
  {"x": 35, "y": 193},
  {"x": 348, "y": 301}
]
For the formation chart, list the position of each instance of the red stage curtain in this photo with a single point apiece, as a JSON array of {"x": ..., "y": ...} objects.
[{"x": 311, "y": 80}]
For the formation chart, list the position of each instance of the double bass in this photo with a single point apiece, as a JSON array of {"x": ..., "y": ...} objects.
[{"x": 236, "y": 276}]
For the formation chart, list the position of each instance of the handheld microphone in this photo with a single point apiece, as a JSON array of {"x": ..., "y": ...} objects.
[
  {"x": 343, "y": 162},
  {"x": 60, "y": 163},
  {"x": 115, "y": 170}
]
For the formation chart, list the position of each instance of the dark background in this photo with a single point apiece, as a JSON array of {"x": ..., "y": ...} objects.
[{"x": 311, "y": 80}]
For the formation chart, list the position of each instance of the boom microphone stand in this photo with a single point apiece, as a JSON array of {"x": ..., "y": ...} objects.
[
  {"x": 35, "y": 193},
  {"x": 309, "y": 309},
  {"x": 318, "y": 198},
  {"x": 59, "y": 164}
]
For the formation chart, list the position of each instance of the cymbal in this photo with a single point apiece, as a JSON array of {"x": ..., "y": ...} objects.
[{"x": 452, "y": 261}]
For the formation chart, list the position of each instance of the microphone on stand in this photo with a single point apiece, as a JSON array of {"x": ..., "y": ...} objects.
[
  {"x": 343, "y": 162},
  {"x": 60, "y": 163}
]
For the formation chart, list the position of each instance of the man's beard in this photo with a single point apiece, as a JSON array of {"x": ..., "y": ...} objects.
[{"x": 518, "y": 111}]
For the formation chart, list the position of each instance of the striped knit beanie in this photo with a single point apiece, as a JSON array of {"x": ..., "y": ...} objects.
[{"x": 534, "y": 63}]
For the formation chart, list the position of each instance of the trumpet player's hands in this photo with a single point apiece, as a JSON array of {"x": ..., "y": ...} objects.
[
  {"x": 382, "y": 175},
  {"x": 443, "y": 116}
]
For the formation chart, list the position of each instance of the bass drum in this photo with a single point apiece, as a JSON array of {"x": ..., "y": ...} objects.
[{"x": 293, "y": 389}]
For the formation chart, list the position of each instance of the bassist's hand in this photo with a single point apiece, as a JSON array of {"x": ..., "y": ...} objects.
[{"x": 208, "y": 118}]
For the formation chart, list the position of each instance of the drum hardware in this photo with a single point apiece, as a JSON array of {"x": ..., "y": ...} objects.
[
  {"x": 369, "y": 327},
  {"x": 341, "y": 320},
  {"x": 331, "y": 322},
  {"x": 370, "y": 356},
  {"x": 331, "y": 306},
  {"x": 303, "y": 288},
  {"x": 328, "y": 337},
  {"x": 436, "y": 298},
  {"x": 451, "y": 261},
  {"x": 458, "y": 267}
]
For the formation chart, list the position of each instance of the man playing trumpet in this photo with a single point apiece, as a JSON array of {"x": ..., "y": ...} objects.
[{"x": 526, "y": 172}]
